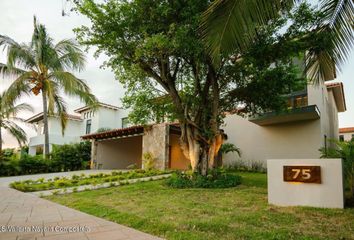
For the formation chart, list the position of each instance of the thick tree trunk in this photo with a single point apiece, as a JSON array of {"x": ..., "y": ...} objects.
[{"x": 45, "y": 125}]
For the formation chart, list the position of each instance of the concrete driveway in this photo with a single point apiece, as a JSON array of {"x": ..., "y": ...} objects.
[{"x": 25, "y": 216}]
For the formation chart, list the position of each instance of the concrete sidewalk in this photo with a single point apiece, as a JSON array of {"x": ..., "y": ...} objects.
[{"x": 31, "y": 217}]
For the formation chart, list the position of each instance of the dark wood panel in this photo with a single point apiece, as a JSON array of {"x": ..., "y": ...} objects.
[{"x": 305, "y": 174}]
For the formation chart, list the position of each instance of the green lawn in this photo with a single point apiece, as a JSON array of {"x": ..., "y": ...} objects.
[{"x": 235, "y": 213}]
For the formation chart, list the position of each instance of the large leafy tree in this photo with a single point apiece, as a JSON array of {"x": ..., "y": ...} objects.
[
  {"x": 9, "y": 119},
  {"x": 156, "y": 51},
  {"x": 42, "y": 67},
  {"x": 230, "y": 26}
]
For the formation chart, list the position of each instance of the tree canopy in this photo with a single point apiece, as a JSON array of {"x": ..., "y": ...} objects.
[{"x": 156, "y": 51}]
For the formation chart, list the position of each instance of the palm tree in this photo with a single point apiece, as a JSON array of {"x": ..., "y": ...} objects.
[
  {"x": 42, "y": 67},
  {"x": 230, "y": 24},
  {"x": 8, "y": 119}
]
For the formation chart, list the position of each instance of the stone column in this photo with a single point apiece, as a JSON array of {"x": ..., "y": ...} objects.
[
  {"x": 156, "y": 142},
  {"x": 93, "y": 163}
]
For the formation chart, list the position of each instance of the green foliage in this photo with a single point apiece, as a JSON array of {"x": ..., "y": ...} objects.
[
  {"x": 149, "y": 161},
  {"x": 217, "y": 178},
  {"x": 8, "y": 120},
  {"x": 103, "y": 129},
  {"x": 9, "y": 168},
  {"x": 71, "y": 157},
  {"x": 229, "y": 147},
  {"x": 33, "y": 164},
  {"x": 345, "y": 151},
  {"x": 247, "y": 166},
  {"x": 63, "y": 158},
  {"x": 94, "y": 179},
  {"x": 140, "y": 35}
]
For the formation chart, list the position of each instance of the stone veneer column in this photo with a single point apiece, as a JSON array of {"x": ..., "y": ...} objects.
[
  {"x": 156, "y": 141},
  {"x": 93, "y": 163}
]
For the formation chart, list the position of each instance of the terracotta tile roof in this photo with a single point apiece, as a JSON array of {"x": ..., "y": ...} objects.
[
  {"x": 346, "y": 130},
  {"x": 139, "y": 129}
]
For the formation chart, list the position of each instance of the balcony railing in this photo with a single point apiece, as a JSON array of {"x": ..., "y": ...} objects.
[{"x": 298, "y": 110}]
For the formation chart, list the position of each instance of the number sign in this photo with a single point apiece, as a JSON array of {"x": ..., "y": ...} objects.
[{"x": 305, "y": 174}]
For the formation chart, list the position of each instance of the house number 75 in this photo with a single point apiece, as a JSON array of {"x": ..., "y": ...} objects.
[{"x": 305, "y": 173}]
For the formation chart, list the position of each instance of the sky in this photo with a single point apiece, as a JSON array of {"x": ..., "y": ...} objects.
[{"x": 16, "y": 21}]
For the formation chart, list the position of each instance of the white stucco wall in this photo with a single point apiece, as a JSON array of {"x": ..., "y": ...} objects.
[
  {"x": 71, "y": 134},
  {"x": 259, "y": 143},
  {"x": 102, "y": 118}
]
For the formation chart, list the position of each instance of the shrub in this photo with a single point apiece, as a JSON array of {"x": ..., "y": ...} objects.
[
  {"x": 148, "y": 161},
  {"x": 344, "y": 150},
  {"x": 33, "y": 164},
  {"x": 71, "y": 157},
  {"x": 215, "y": 179},
  {"x": 9, "y": 168}
]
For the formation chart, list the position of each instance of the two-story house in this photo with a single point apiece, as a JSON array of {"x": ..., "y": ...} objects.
[
  {"x": 309, "y": 122},
  {"x": 85, "y": 122}
]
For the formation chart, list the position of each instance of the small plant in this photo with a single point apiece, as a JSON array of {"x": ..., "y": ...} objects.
[
  {"x": 148, "y": 161},
  {"x": 75, "y": 189},
  {"x": 132, "y": 166},
  {"x": 55, "y": 192}
]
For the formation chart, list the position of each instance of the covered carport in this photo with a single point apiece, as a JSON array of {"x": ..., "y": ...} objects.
[
  {"x": 124, "y": 147},
  {"x": 116, "y": 149}
]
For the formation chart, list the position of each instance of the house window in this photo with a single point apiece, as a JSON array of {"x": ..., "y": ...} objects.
[
  {"x": 125, "y": 122},
  {"x": 341, "y": 138},
  {"x": 88, "y": 126}
]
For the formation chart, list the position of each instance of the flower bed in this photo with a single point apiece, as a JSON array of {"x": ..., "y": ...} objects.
[{"x": 80, "y": 180}]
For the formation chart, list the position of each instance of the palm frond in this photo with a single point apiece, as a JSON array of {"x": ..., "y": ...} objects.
[
  {"x": 16, "y": 131},
  {"x": 62, "y": 112},
  {"x": 70, "y": 54},
  {"x": 5, "y": 71},
  {"x": 339, "y": 16},
  {"x": 75, "y": 87},
  {"x": 14, "y": 110},
  {"x": 228, "y": 25},
  {"x": 18, "y": 88}
]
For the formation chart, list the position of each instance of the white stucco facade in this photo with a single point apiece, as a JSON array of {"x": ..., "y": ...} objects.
[
  {"x": 300, "y": 138},
  {"x": 105, "y": 116}
]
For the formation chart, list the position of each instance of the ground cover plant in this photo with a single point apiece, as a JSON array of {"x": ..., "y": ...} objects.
[
  {"x": 241, "y": 212},
  {"x": 79, "y": 180},
  {"x": 217, "y": 178}
]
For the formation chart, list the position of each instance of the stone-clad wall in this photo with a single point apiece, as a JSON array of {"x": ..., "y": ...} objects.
[{"x": 156, "y": 141}]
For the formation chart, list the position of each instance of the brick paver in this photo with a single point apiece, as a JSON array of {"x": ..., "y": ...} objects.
[{"x": 32, "y": 217}]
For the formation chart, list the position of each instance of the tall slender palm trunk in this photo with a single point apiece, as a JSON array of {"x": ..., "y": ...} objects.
[{"x": 45, "y": 125}]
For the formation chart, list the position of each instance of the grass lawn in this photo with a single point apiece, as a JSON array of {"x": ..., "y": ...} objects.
[{"x": 234, "y": 213}]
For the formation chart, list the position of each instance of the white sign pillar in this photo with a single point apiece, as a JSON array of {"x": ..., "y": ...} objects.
[{"x": 328, "y": 193}]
